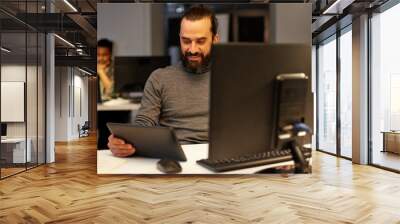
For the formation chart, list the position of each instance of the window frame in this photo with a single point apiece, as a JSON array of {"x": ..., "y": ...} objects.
[
  {"x": 371, "y": 13},
  {"x": 333, "y": 37}
]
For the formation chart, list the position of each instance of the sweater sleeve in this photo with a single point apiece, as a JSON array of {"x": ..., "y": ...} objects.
[{"x": 150, "y": 109}]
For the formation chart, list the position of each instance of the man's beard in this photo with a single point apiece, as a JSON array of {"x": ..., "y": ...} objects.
[{"x": 194, "y": 66}]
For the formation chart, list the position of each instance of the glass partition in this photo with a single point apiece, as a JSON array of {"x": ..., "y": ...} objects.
[
  {"x": 41, "y": 96},
  {"x": 31, "y": 98},
  {"x": 22, "y": 88},
  {"x": 15, "y": 152}
]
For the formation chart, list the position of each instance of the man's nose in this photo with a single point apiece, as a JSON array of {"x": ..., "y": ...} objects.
[{"x": 193, "y": 48}]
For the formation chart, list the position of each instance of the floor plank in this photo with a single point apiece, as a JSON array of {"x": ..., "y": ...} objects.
[{"x": 70, "y": 191}]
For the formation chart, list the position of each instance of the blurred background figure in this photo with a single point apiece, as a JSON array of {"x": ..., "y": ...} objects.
[{"x": 105, "y": 69}]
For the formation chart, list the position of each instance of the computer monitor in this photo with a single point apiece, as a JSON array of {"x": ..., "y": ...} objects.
[
  {"x": 131, "y": 73},
  {"x": 290, "y": 108},
  {"x": 243, "y": 98},
  {"x": 3, "y": 129}
]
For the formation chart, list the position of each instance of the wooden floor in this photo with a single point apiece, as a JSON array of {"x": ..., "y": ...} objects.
[
  {"x": 69, "y": 191},
  {"x": 10, "y": 171},
  {"x": 386, "y": 159},
  {"x": 5, "y": 172}
]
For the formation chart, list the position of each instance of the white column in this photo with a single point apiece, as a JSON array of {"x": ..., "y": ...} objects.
[
  {"x": 360, "y": 90},
  {"x": 50, "y": 100},
  {"x": 50, "y": 92}
]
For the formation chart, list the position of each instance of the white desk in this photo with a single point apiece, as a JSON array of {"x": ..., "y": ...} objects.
[
  {"x": 121, "y": 107},
  {"x": 109, "y": 164},
  {"x": 19, "y": 154}
]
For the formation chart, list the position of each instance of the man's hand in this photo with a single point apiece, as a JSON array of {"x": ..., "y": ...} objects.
[
  {"x": 101, "y": 68},
  {"x": 119, "y": 148},
  {"x": 104, "y": 79}
]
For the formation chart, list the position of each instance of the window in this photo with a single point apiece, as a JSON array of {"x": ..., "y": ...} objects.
[
  {"x": 326, "y": 98},
  {"x": 385, "y": 87},
  {"x": 334, "y": 94},
  {"x": 346, "y": 92}
]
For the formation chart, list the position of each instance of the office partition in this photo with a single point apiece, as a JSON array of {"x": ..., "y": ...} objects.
[{"x": 22, "y": 78}]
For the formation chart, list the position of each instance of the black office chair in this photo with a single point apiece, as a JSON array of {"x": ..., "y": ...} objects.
[{"x": 84, "y": 130}]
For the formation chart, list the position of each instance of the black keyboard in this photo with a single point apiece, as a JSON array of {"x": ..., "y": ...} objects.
[{"x": 259, "y": 159}]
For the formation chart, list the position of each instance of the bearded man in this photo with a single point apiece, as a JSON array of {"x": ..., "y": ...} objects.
[{"x": 177, "y": 96}]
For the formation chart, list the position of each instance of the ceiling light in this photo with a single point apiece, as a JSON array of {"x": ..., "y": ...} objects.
[
  {"x": 337, "y": 7},
  {"x": 70, "y": 5},
  {"x": 84, "y": 71},
  {"x": 65, "y": 41},
  {"x": 327, "y": 10},
  {"x": 79, "y": 51},
  {"x": 179, "y": 9},
  {"x": 5, "y": 50}
]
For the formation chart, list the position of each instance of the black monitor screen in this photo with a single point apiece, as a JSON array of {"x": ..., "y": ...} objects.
[
  {"x": 251, "y": 29},
  {"x": 242, "y": 96},
  {"x": 3, "y": 129},
  {"x": 131, "y": 73}
]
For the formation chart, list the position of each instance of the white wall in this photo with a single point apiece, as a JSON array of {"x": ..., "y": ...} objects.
[
  {"x": 134, "y": 28},
  {"x": 12, "y": 73},
  {"x": 81, "y": 103},
  {"x": 33, "y": 127},
  {"x": 223, "y": 27},
  {"x": 71, "y": 95},
  {"x": 61, "y": 103},
  {"x": 290, "y": 23}
]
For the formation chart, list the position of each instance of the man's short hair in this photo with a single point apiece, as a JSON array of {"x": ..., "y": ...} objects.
[
  {"x": 105, "y": 43},
  {"x": 198, "y": 12}
]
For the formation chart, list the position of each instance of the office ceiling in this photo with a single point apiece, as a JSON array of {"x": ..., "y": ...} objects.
[
  {"x": 74, "y": 25},
  {"x": 328, "y": 16},
  {"x": 76, "y": 22}
]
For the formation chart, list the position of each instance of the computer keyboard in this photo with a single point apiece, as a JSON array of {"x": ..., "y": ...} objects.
[{"x": 259, "y": 159}]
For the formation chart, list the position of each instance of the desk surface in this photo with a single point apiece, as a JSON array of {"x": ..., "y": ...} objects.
[
  {"x": 109, "y": 164},
  {"x": 390, "y": 132},
  {"x": 128, "y": 107},
  {"x": 14, "y": 140}
]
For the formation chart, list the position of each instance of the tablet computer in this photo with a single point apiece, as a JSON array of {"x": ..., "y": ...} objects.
[{"x": 153, "y": 142}]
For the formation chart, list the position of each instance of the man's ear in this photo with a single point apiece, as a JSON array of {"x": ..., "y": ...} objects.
[{"x": 216, "y": 39}]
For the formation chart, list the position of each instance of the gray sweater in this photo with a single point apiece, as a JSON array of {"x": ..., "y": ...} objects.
[{"x": 175, "y": 98}]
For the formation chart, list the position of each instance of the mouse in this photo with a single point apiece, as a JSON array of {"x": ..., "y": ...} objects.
[{"x": 169, "y": 166}]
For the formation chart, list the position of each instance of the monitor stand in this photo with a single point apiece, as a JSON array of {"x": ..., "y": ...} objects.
[{"x": 301, "y": 165}]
